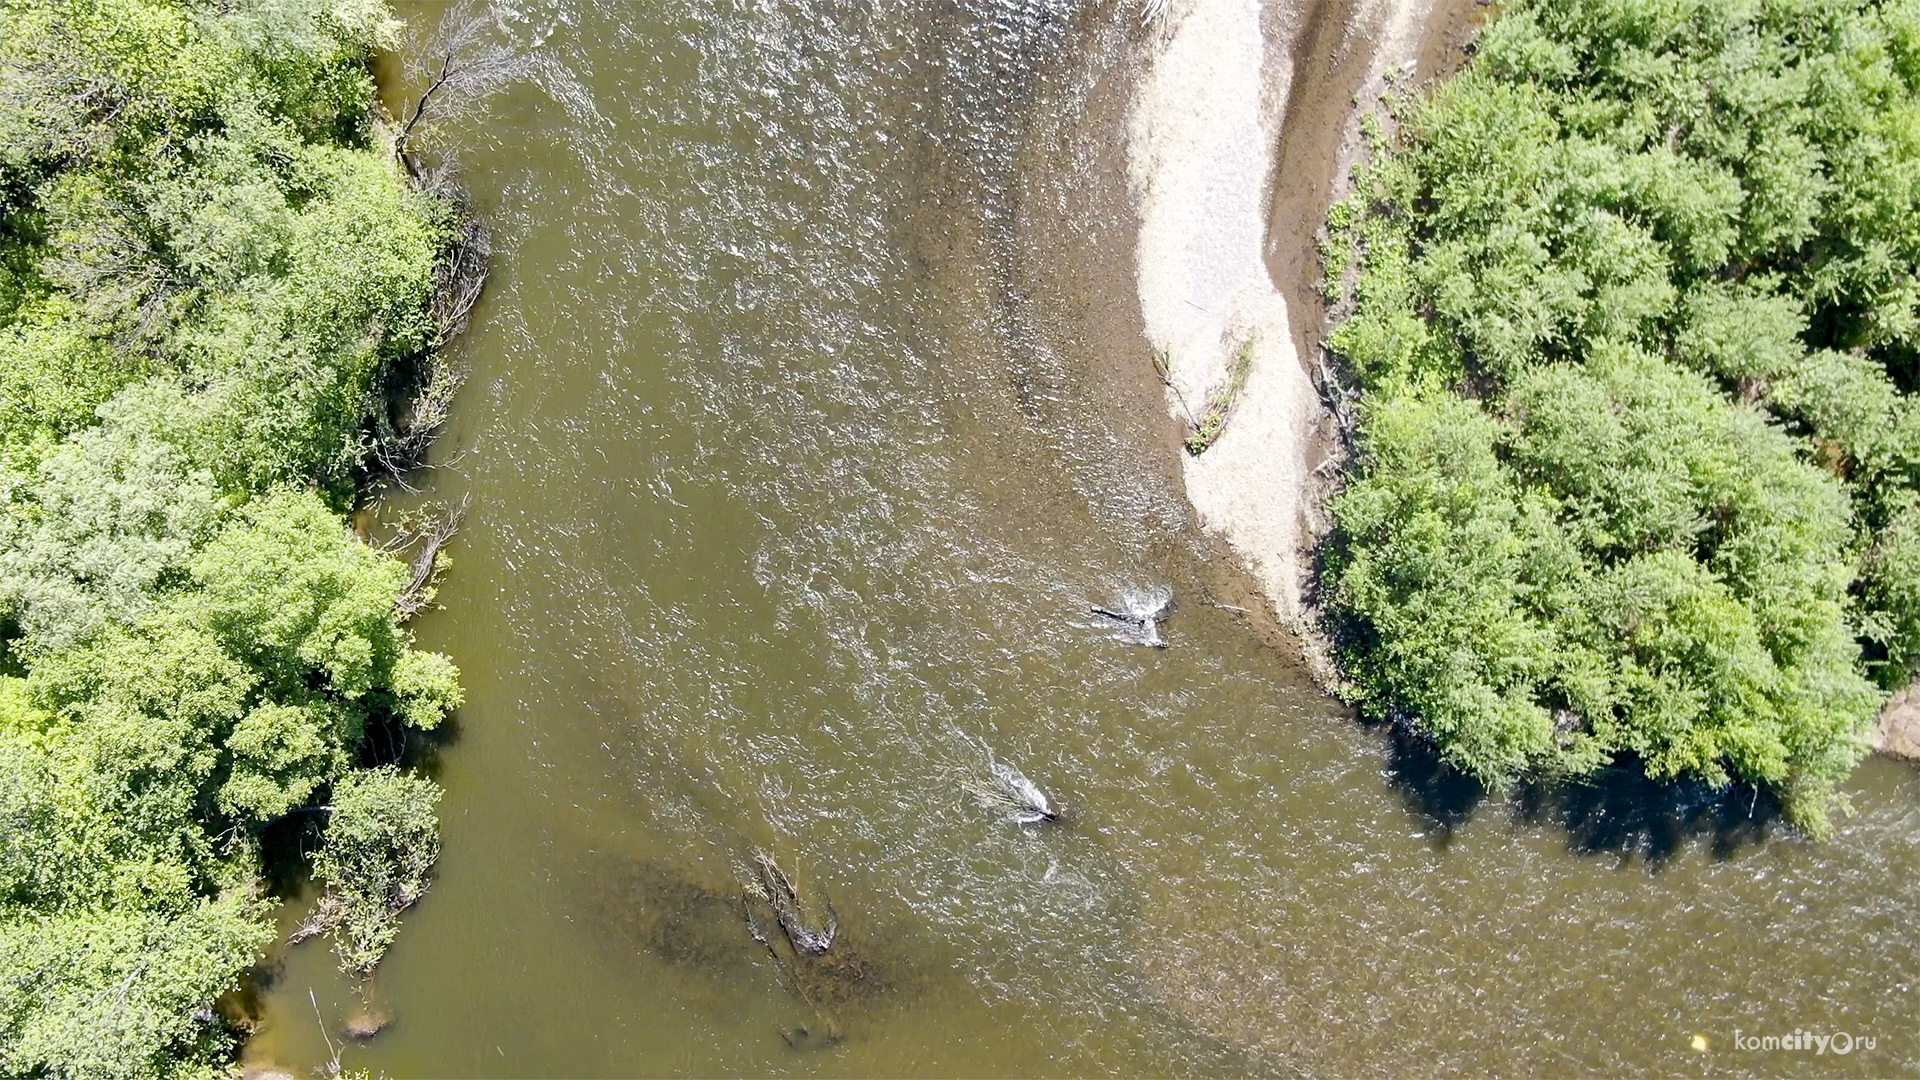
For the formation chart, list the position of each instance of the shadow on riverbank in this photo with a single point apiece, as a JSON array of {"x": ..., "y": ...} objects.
[{"x": 1619, "y": 811}]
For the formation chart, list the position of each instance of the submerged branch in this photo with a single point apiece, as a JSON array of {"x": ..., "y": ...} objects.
[
  {"x": 427, "y": 562},
  {"x": 463, "y": 59}
]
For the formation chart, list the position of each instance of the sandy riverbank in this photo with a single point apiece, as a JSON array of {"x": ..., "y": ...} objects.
[
  {"x": 1240, "y": 131},
  {"x": 1244, "y": 130}
]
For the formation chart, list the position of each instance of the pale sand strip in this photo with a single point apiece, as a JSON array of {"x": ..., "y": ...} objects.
[{"x": 1203, "y": 134}]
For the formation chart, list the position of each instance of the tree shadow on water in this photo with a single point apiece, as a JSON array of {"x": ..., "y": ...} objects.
[
  {"x": 1618, "y": 811},
  {"x": 1441, "y": 796},
  {"x": 389, "y": 740},
  {"x": 284, "y": 846},
  {"x": 1622, "y": 811}
]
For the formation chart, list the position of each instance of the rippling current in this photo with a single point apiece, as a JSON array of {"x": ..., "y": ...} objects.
[{"x": 809, "y": 413}]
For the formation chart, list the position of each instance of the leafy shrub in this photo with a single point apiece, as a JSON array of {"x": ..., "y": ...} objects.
[
  {"x": 208, "y": 257},
  {"x": 381, "y": 841},
  {"x": 1663, "y": 257}
]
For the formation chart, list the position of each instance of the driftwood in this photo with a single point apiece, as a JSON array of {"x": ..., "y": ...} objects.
[
  {"x": 325, "y": 916},
  {"x": 1342, "y": 402},
  {"x": 427, "y": 537}
]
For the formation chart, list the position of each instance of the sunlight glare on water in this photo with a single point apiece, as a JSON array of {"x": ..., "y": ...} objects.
[{"x": 796, "y": 464}]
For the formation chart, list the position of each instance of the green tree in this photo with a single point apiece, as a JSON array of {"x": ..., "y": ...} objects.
[
  {"x": 382, "y": 837},
  {"x": 209, "y": 259},
  {"x": 124, "y": 991},
  {"x": 1671, "y": 251},
  {"x": 106, "y": 521}
]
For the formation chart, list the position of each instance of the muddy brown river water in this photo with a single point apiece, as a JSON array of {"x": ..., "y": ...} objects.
[{"x": 809, "y": 410}]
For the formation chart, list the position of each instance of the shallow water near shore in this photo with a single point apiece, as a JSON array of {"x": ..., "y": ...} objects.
[{"x": 809, "y": 412}]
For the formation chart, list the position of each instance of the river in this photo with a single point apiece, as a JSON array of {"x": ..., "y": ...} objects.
[{"x": 809, "y": 409}]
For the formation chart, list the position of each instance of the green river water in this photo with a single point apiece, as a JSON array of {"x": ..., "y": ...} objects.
[{"x": 808, "y": 410}]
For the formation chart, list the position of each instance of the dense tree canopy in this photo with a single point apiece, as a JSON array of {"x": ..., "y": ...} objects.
[
  {"x": 208, "y": 256},
  {"x": 1637, "y": 325}
]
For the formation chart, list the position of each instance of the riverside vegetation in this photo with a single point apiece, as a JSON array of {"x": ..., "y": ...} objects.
[
  {"x": 212, "y": 266},
  {"x": 1636, "y": 324}
]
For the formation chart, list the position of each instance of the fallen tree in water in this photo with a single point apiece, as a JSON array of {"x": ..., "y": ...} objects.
[
  {"x": 802, "y": 943},
  {"x": 426, "y": 534},
  {"x": 725, "y": 932},
  {"x": 777, "y": 890}
]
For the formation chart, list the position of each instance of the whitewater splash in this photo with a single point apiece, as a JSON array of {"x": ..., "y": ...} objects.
[
  {"x": 998, "y": 785},
  {"x": 1029, "y": 803},
  {"x": 1138, "y": 614}
]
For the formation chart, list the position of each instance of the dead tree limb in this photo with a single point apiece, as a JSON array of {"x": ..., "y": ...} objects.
[
  {"x": 462, "y": 60},
  {"x": 427, "y": 538}
]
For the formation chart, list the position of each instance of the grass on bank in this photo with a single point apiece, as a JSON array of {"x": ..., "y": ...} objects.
[{"x": 1221, "y": 401}]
